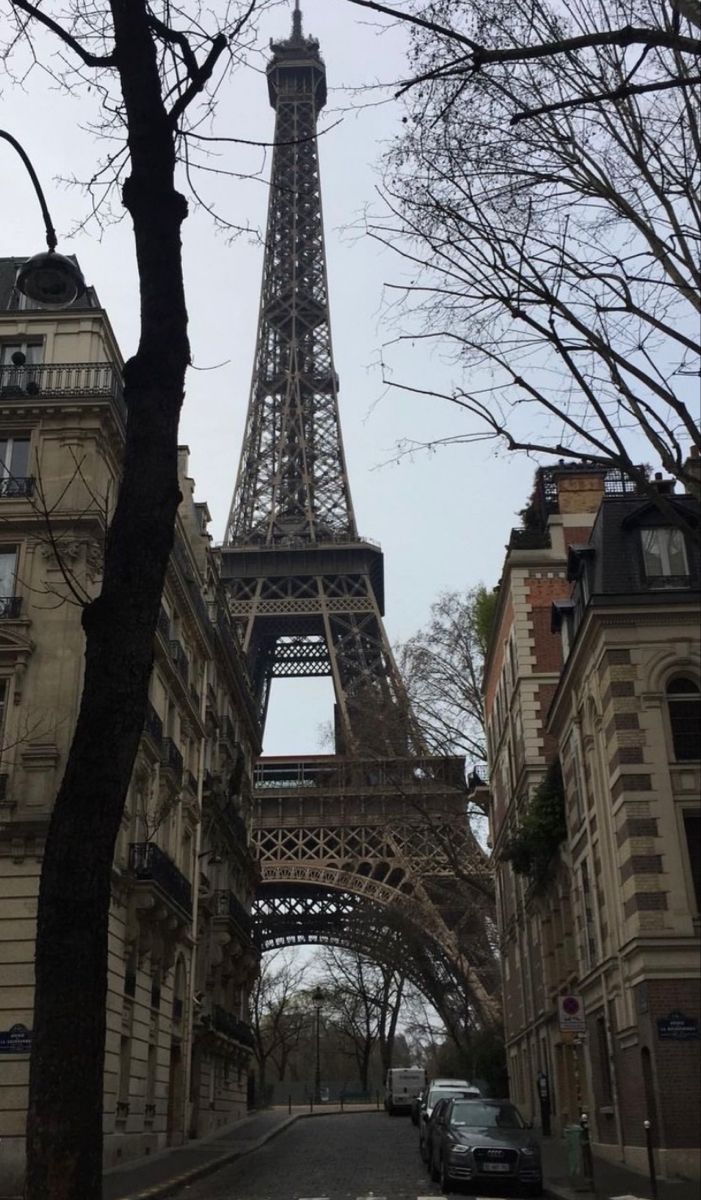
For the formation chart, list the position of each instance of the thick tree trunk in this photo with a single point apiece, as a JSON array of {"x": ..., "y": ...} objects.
[{"x": 64, "y": 1129}]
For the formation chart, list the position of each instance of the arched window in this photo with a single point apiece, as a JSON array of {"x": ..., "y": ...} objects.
[{"x": 684, "y": 704}]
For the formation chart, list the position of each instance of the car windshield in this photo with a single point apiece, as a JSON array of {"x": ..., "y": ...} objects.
[
  {"x": 443, "y": 1094},
  {"x": 482, "y": 1114}
]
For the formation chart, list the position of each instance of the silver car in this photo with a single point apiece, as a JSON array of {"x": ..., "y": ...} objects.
[{"x": 476, "y": 1141}]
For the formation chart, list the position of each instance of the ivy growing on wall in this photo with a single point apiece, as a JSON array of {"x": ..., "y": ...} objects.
[{"x": 532, "y": 849}]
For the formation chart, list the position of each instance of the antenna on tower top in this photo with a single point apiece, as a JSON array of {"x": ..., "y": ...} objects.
[{"x": 297, "y": 22}]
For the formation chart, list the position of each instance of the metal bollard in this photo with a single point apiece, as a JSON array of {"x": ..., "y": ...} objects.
[
  {"x": 311, "y": 1102},
  {"x": 651, "y": 1159},
  {"x": 289, "y": 1104},
  {"x": 587, "y": 1159},
  {"x": 341, "y": 1101},
  {"x": 377, "y": 1101}
]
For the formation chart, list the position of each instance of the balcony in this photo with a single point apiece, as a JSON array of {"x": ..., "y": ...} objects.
[
  {"x": 153, "y": 725},
  {"x": 163, "y": 624},
  {"x": 10, "y": 607},
  {"x": 12, "y": 487},
  {"x": 227, "y": 905},
  {"x": 179, "y": 659},
  {"x": 226, "y": 1023},
  {"x": 190, "y": 782},
  {"x": 171, "y": 758},
  {"x": 148, "y": 863},
  {"x": 58, "y": 380}
]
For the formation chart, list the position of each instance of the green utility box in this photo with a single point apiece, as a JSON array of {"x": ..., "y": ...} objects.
[{"x": 574, "y": 1140}]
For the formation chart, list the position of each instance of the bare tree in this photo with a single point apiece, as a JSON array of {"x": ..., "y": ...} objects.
[
  {"x": 556, "y": 259},
  {"x": 464, "y": 47},
  {"x": 442, "y": 667},
  {"x": 362, "y": 1001},
  {"x": 148, "y": 64},
  {"x": 280, "y": 1011}
]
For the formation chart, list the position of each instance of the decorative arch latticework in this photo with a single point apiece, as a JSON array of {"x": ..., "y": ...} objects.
[{"x": 348, "y": 847}]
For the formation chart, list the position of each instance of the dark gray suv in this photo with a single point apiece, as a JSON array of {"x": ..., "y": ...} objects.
[{"x": 476, "y": 1141}]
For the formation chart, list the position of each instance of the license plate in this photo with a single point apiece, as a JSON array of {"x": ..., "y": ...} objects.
[{"x": 496, "y": 1167}]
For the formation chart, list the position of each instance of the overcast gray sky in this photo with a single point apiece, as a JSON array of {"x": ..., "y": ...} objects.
[{"x": 442, "y": 518}]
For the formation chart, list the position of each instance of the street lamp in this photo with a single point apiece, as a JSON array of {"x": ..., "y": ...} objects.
[
  {"x": 317, "y": 1001},
  {"x": 49, "y": 278}
]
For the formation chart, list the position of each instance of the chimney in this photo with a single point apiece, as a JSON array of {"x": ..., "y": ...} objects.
[
  {"x": 692, "y": 468},
  {"x": 664, "y": 486}
]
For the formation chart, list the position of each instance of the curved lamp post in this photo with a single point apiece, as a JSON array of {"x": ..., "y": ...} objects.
[
  {"x": 317, "y": 1001},
  {"x": 49, "y": 278}
]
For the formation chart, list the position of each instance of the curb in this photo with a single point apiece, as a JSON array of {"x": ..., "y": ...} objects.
[{"x": 170, "y": 1186}]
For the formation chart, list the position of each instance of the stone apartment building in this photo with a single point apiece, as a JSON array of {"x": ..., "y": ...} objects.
[
  {"x": 608, "y": 926},
  {"x": 181, "y": 958},
  {"x": 627, "y": 719}
]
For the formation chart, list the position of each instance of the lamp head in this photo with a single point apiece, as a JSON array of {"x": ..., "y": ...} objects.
[
  {"x": 317, "y": 997},
  {"x": 50, "y": 279}
]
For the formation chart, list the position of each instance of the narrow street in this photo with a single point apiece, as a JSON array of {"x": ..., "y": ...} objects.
[{"x": 333, "y": 1158}]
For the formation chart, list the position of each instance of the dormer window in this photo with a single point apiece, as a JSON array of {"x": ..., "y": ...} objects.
[{"x": 664, "y": 556}]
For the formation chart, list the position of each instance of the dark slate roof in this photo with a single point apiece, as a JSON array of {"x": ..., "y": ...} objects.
[
  {"x": 615, "y": 567},
  {"x": 9, "y": 296}
]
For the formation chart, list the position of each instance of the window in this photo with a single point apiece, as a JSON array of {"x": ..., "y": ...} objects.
[
  {"x": 14, "y": 466},
  {"x": 589, "y": 929},
  {"x": 8, "y": 575},
  {"x": 684, "y": 706},
  {"x": 20, "y": 355},
  {"x": 692, "y": 831},
  {"x": 664, "y": 555},
  {"x": 604, "y": 1061},
  {"x": 18, "y": 362}
]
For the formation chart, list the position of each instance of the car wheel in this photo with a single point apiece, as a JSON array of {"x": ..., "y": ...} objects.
[{"x": 444, "y": 1178}]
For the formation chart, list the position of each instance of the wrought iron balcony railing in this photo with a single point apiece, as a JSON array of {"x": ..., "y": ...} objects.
[
  {"x": 153, "y": 724},
  {"x": 228, "y": 905},
  {"x": 163, "y": 624},
  {"x": 10, "y": 607},
  {"x": 179, "y": 657},
  {"x": 62, "y": 379},
  {"x": 231, "y": 1026},
  {"x": 171, "y": 758},
  {"x": 14, "y": 487},
  {"x": 148, "y": 862}
]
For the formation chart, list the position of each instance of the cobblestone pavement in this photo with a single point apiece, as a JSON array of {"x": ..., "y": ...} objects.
[{"x": 329, "y": 1158}]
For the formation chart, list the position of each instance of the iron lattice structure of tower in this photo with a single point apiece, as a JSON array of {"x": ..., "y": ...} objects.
[
  {"x": 306, "y": 588},
  {"x": 307, "y": 594}
]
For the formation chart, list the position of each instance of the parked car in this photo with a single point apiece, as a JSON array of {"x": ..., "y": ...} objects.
[
  {"x": 416, "y": 1105},
  {"x": 433, "y": 1094},
  {"x": 473, "y": 1141}
]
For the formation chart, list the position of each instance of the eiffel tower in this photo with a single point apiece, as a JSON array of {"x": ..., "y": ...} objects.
[{"x": 353, "y": 843}]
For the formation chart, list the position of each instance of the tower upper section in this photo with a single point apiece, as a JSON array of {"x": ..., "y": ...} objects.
[
  {"x": 292, "y": 483},
  {"x": 296, "y": 67}
]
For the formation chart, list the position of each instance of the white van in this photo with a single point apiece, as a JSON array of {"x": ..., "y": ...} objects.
[{"x": 401, "y": 1085}]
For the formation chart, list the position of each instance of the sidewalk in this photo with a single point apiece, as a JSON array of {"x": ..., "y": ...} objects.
[
  {"x": 610, "y": 1179},
  {"x": 165, "y": 1173}
]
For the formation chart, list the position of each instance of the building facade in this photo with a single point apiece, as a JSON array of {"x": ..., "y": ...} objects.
[
  {"x": 180, "y": 956},
  {"x": 627, "y": 721},
  {"x": 521, "y": 675},
  {"x": 582, "y": 679}
]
